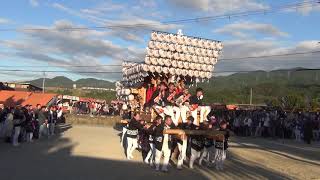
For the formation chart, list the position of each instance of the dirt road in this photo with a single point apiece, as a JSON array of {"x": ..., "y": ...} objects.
[{"x": 83, "y": 152}]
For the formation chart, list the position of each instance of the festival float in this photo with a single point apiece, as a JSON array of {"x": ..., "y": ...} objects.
[{"x": 170, "y": 58}]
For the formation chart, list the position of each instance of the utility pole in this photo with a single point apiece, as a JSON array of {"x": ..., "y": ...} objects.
[
  {"x": 251, "y": 96},
  {"x": 43, "y": 81}
]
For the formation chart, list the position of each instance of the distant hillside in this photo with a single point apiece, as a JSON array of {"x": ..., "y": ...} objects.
[
  {"x": 64, "y": 82},
  {"x": 303, "y": 86},
  {"x": 267, "y": 87}
]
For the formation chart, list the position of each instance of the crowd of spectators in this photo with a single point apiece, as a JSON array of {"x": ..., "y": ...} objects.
[
  {"x": 26, "y": 123},
  {"x": 272, "y": 123},
  {"x": 95, "y": 108}
]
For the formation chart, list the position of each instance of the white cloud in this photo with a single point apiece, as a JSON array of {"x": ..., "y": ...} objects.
[
  {"x": 34, "y": 3},
  {"x": 4, "y": 21},
  {"x": 243, "y": 28},
  {"x": 218, "y": 6},
  {"x": 61, "y": 47},
  {"x": 132, "y": 28},
  {"x": 248, "y": 48}
]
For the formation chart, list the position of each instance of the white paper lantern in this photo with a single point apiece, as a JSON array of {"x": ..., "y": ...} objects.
[
  {"x": 191, "y": 49},
  {"x": 209, "y": 68},
  {"x": 156, "y": 53},
  {"x": 194, "y": 42},
  {"x": 167, "y": 62},
  {"x": 176, "y": 56},
  {"x": 209, "y": 75},
  {"x": 172, "y": 47},
  {"x": 180, "y": 64},
  {"x": 158, "y": 69},
  {"x": 172, "y": 71},
  {"x": 131, "y": 98},
  {"x": 215, "y": 53},
  {"x": 151, "y": 44},
  {"x": 149, "y": 52},
  {"x": 154, "y": 36},
  {"x": 191, "y": 73},
  {"x": 167, "y": 38},
  {"x": 194, "y": 58},
  {"x": 180, "y": 39},
  {"x": 200, "y": 43},
  {"x": 174, "y": 39},
  {"x": 200, "y": 59},
  {"x": 219, "y": 46},
  {"x": 198, "y": 67},
  {"x": 209, "y": 53},
  {"x": 127, "y": 92},
  {"x": 203, "y": 52},
  {"x": 185, "y": 40},
  {"x": 161, "y": 37},
  {"x": 192, "y": 66},
  {"x": 212, "y": 60},
  {"x": 198, "y": 51},
  {"x": 203, "y": 74},
  {"x": 206, "y": 60},
  {"x": 204, "y": 67},
  {"x": 196, "y": 73},
  {"x": 154, "y": 61},
  {"x": 169, "y": 54},
  {"x": 188, "y": 57},
  {"x": 207, "y": 44},
  {"x": 182, "y": 57},
  {"x": 186, "y": 65},
  {"x": 174, "y": 63},
  {"x": 178, "y": 48},
  {"x": 165, "y": 70},
  {"x": 152, "y": 68},
  {"x": 184, "y": 72},
  {"x": 164, "y": 46},
  {"x": 184, "y": 49},
  {"x": 160, "y": 61},
  {"x": 162, "y": 53},
  {"x": 213, "y": 45},
  {"x": 178, "y": 72},
  {"x": 188, "y": 41},
  {"x": 158, "y": 45},
  {"x": 147, "y": 60}
]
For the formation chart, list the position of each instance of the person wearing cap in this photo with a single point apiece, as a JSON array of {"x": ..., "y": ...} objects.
[
  {"x": 221, "y": 145},
  {"x": 132, "y": 132},
  {"x": 197, "y": 105}
]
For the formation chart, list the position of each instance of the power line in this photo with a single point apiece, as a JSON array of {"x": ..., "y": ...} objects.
[
  {"x": 274, "y": 55},
  {"x": 116, "y": 65},
  {"x": 117, "y": 72},
  {"x": 180, "y": 21}
]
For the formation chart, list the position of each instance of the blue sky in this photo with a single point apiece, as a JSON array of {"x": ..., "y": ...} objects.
[{"x": 288, "y": 31}]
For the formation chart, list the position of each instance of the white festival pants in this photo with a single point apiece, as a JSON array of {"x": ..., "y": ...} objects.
[
  {"x": 151, "y": 154},
  {"x": 166, "y": 152},
  {"x": 207, "y": 154},
  {"x": 204, "y": 111},
  {"x": 194, "y": 156},
  {"x": 183, "y": 111},
  {"x": 16, "y": 135},
  {"x": 220, "y": 156},
  {"x": 182, "y": 152},
  {"x": 43, "y": 130},
  {"x": 132, "y": 145}
]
